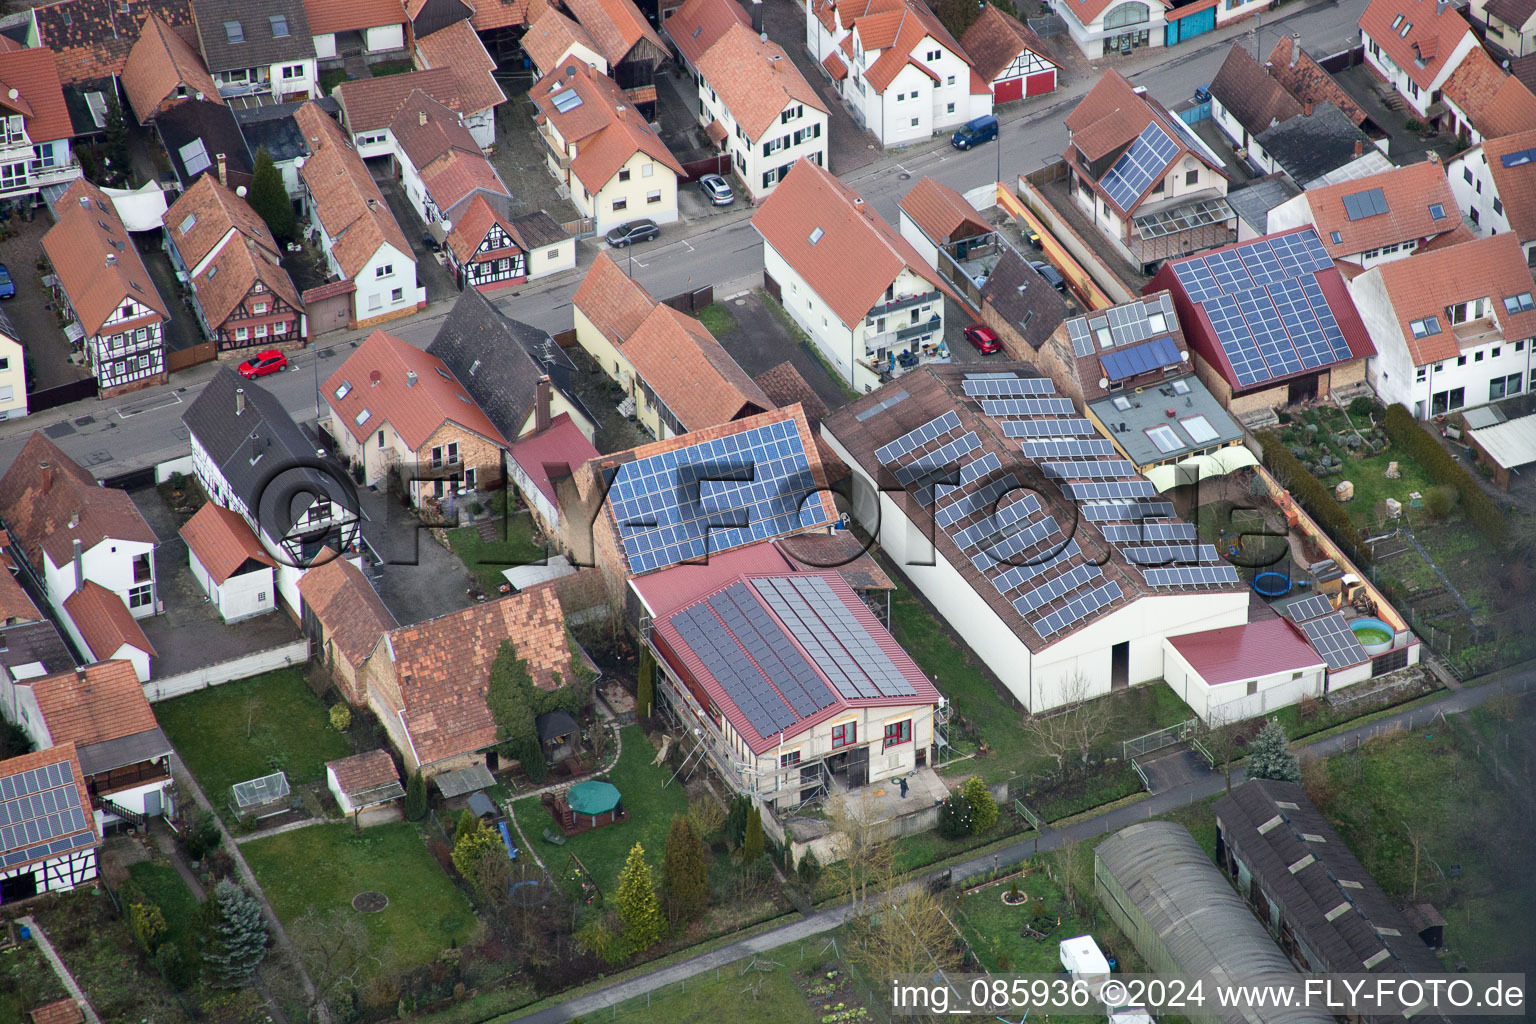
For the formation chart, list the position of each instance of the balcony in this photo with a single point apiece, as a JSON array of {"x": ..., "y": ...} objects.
[
  {"x": 896, "y": 305},
  {"x": 104, "y": 784},
  {"x": 935, "y": 323}
]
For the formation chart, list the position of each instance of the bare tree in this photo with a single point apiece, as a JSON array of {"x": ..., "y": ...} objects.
[
  {"x": 333, "y": 947},
  {"x": 909, "y": 934},
  {"x": 1074, "y": 728},
  {"x": 1070, "y": 863},
  {"x": 867, "y": 855},
  {"x": 252, "y": 705},
  {"x": 1221, "y": 736}
]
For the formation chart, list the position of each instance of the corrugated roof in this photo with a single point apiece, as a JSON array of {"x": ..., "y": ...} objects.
[{"x": 1254, "y": 649}]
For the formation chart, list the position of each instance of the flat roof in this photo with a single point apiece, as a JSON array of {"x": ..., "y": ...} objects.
[
  {"x": 1511, "y": 443},
  {"x": 1150, "y": 435}
]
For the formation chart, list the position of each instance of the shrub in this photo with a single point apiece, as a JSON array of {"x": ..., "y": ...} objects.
[
  {"x": 1440, "y": 501},
  {"x": 173, "y": 966},
  {"x": 473, "y": 841},
  {"x": 955, "y": 817},
  {"x": 752, "y": 839},
  {"x": 341, "y": 717},
  {"x": 1361, "y": 407},
  {"x": 203, "y": 836},
  {"x": 1423, "y": 448},
  {"x": 810, "y": 867},
  {"x": 599, "y": 940},
  {"x": 416, "y": 797},
  {"x": 1313, "y": 495},
  {"x": 736, "y": 821},
  {"x": 148, "y": 923},
  {"x": 707, "y": 816},
  {"x": 983, "y": 807}
]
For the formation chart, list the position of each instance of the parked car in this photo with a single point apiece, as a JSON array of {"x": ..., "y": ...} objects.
[
  {"x": 974, "y": 132},
  {"x": 984, "y": 338},
  {"x": 7, "y": 286},
  {"x": 266, "y": 362},
  {"x": 1203, "y": 93},
  {"x": 717, "y": 190},
  {"x": 1050, "y": 273},
  {"x": 432, "y": 244},
  {"x": 634, "y": 231}
]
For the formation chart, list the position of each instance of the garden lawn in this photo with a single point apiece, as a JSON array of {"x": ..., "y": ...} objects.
[
  {"x": 163, "y": 887},
  {"x": 486, "y": 559},
  {"x": 244, "y": 730},
  {"x": 324, "y": 866},
  {"x": 994, "y": 930},
  {"x": 26, "y": 981},
  {"x": 1367, "y": 474},
  {"x": 708, "y": 1000},
  {"x": 603, "y": 850},
  {"x": 717, "y": 319}
]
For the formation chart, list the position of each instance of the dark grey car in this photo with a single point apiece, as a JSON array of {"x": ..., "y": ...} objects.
[{"x": 634, "y": 231}]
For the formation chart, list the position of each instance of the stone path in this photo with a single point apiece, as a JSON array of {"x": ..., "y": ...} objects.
[
  {"x": 68, "y": 979},
  {"x": 280, "y": 829}
]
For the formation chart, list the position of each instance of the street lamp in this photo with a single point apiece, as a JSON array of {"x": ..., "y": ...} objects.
[{"x": 999, "y": 141}]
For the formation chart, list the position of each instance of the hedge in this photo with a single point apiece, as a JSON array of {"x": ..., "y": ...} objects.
[
  {"x": 1442, "y": 468},
  {"x": 1313, "y": 495}
]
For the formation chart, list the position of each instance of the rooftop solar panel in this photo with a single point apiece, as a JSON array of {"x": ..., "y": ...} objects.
[
  {"x": 915, "y": 439},
  {"x": 1008, "y": 549},
  {"x": 1068, "y": 448},
  {"x": 1074, "y": 427},
  {"x": 1370, "y": 203},
  {"x": 993, "y": 526},
  {"x": 1333, "y": 640},
  {"x": 939, "y": 465},
  {"x": 764, "y": 709},
  {"x": 709, "y": 497},
  {"x": 1191, "y": 576},
  {"x": 1082, "y": 341},
  {"x": 1313, "y": 606},
  {"x": 1165, "y": 554},
  {"x": 1052, "y": 406},
  {"x": 1137, "y": 533},
  {"x": 833, "y": 634},
  {"x": 39, "y": 807},
  {"x": 1140, "y": 165},
  {"x": 1088, "y": 469},
  {"x": 1121, "y": 363},
  {"x": 1051, "y": 589},
  {"x": 1077, "y": 609},
  {"x": 1108, "y": 491},
  {"x": 762, "y": 639},
  {"x": 1002, "y": 387},
  {"x": 1035, "y": 565},
  {"x": 1127, "y": 511},
  {"x": 1268, "y": 332},
  {"x": 974, "y": 502}
]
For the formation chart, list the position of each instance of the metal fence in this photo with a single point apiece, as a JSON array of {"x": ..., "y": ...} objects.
[{"x": 1158, "y": 739}]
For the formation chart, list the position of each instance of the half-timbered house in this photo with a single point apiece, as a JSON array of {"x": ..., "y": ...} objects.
[
  {"x": 48, "y": 842},
  {"x": 484, "y": 250},
  {"x": 1009, "y": 56}
]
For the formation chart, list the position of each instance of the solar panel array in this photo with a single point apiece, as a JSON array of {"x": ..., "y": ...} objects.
[
  {"x": 1068, "y": 449},
  {"x": 971, "y": 502},
  {"x": 41, "y": 816},
  {"x": 1054, "y": 405},
  {"x": 1313, "y": 606},
  {"x": 1269, "y": 313},
  {"x": 1050, "y": 590},
  {"x": 915, "y": 439},
  {"x": 939, "y": 465},
  {"x": 1191, "y": 576},
  {"x": 1120, "y": 363},
  {"x": 1088, "y": 469},
  {"x": 1165, "y": 554},
  {"x": 1132, "y": 511},
  {"x": 1077, "y": 609},
  {"x": 1333, "y": 640},
  {"x": 1005, "y": 387},
  {"x": 1065, "y": 427},
  {"x": 1140, "y": 165},
  {"x": 834, "y": 636},
  {"x": 1127, "y": 324},
  {"x": 1095, "y": 490},
  {"x": 1136, "y": 533},
  {"x": 1370, "y": 203},
  {"x": 715, "y": 495}
]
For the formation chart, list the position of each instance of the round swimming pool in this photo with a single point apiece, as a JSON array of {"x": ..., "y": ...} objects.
[{"x": 1374, "y": 635}]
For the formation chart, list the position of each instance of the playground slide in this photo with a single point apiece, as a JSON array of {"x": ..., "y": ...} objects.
[{"x": 506, "y": 837}]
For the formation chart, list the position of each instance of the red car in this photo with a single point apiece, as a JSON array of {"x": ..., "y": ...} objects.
[
  {"x": 266, "y": 362},
  {"x": 984, "y": 338}
]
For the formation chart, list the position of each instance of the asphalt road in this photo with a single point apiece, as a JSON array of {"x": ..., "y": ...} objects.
[{"x": 145, "y": 428}]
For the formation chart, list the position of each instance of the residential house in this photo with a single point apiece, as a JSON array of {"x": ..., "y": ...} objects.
[
  {"x": 553, "y": 37},
  {"x": 935, "y": 218},
  {"x": 90, "y": 40},
  {"x": 361, "y": 240},
  {"x": 1309, "y": 82},
  {"x": 759, "y": 109},
  {"x": 792, "y": 726},
  {"x": 101, "y": 710},
  {"x": 103, "y": 629},
  {"x": 484, "y": 250},
  {"x": 897, "y": 68},
  {"x": 1020, "y": 306},
  {"x": 1378, "y": 218},
  {"x": 1495, "y": 186},
  {"x": 501, "y": 23},
  {"x": 427, "y": 682},
  {"x": 1453, "y": 328},
  {"x": 542, "y": 466},
  {"x": 1246, "y": 100},
  {"x": 272, "y": 127},
  {"x": 106, "y": 289},
  {"x": 678, "y": 376},
  {"x": 32, "y": 646},
  {"x": 869, "y": 302},
  {"x": 516, "y": 373},
  {"x": 1317, "y": 149},
  {"x": 243, "y": 298},
  {"x": 69, "y": 530},
  {"x": 229, "y": 563},
  {"x": 1413, "y": 46},
  {"x": 600, "y": 146},
  {"x": 1147, "y": 182},
  {"x": 1051, "y": 585},
  {"x": 265, "y": 53},
  {"x": 457, "y": 48},
  {"x": 345, "y": 621},
  {"x": 395, "y": 408},
  {"x": 1100, "y": 28},
  {"x": 693, "y": 29},
  {"x": 767, "y": 482},
  {"x": 1314, "y": 342},
  {"x": 1509, "y": 26},
  {"x": 35, "y": 144},
  {"x": 628, "y": 43},
  {"x": 251, "y": 457},
  {"x": 1483, "y": 101},
  {"x": 369, "y": 105},
  {"x": 551, "y": 246},
  {"x": 363, "y": 782},
  {"x": 202, "y": 137},
  {"x": 13, "y": 374},
  {"x": 42, "y": 849},
  {"x": 1009, "y": 56},
  {"x": 163, "y": 69},
  {"x": 1241, "y": 672},
  {"x": 372, "y": 29},
  {"x": 439, "y": 164},
  {"x": 1128, "y": 369}
]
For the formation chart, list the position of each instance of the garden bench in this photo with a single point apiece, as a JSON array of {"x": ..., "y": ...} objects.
[{"x": 553, "y": 838}]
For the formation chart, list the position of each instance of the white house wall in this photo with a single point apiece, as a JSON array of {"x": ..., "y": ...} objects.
[
  {"x": 1475, "y": 192},
  {"x": 380, "y": 38},
  {"x": 374, "y": 293},
  {"x": 108, "y": 563},
  {"x": 239, "y": 597},
  {"x": 59, "y": 874},
  {"x": 13, "y": 379},
  {"x": 914, "y": 234},
  {"x": 1226, "y": 703},
  {"x": 836, "y": 342}
]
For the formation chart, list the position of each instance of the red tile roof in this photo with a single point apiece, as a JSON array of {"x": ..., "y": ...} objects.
[
  {"x": 44, "y": 491},
  {"x": 1308, "y": 81},
  {"x": 327, "y": 17},
  {"x": 95, "y": 261},
  {"x": 159, "y": 62},
  {"x": 689, "y": 372},
  {"x": 615, "y": 25},
  {"x": 1409, "y": 192},
  {"x": 494, "y": 14},
  {"x": 223, "y": 542},
  {"x": 1256, "y": 99},
  {"x": 361, "y": 773},
  {"x": 459, "y": 49},
  {"x": 996, "y": 38},
  {"x": 1260, "y": 648},
  {"x": 369, "y": 104},
  {"x": 1516, "y": 186},
  {"x": 561, "y": 444},
  {"x": 698, "y": 23},
  {"x": 550, "y": 40},
  {"x": 94, "y": 704},
  {"x": 1494, "y": 102},
  {"x": 916, "y": 23},
  {"x": 856, "y": 256},
  {"x": 1431, "y": 34},
  {"x": 605, "y": 126},
  {"x": 347, "y": 200},
  {"x": 380, "y": 373},
  {"x": 1425, "y": 284},
  {"x": 251, "y": 256},
  {"x": 39, "y": 96},
  {"x": 939, "y": 210},
  {"x": 835, "y": 67},
  {"x": 41, "y": 759},
  {"x": 443, "y": 667},
  {"x": 755, "y": 80},
  {"x": 64, "y": 1011},
  {"x": 471, "y": 227},
  {"x": 15, "y": 605},
  {"x": 349, "y": 609},
  {"x": 91, "y": 39},
  {"x": 104, "y": 621},
  {"x": 614, "y": 302}
]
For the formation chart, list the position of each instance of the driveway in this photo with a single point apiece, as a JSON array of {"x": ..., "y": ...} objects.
[
  {"x": 416, "y": 577},
  {"x": 760, "y": 341},
  {"x": 182, "y": 330},
  {"x": 430, "y": 272},
  {"x": 33, "y": 311}
]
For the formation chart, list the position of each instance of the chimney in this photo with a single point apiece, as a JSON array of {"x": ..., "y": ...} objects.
[
  {"x": 1295, "y": 48},
  {"x": 74, "y": 518},
  {"x": 374, "y": 376},
  {"x": 1306, "y": 109},
  {"x": 1359, "y": 148},
  {"x": 223, "y": 170},
  {"x": 757, "y": 16},
  {"x": 1441, "y": 5},
  {"x": 239, "y": 401},
  {"x": 111, "y": 258},
  {"x": 373, "y": 204},
  {"x": 47, "y": 475},
  {"x": 410, "y": 378},
  {"x": 570, "y": 71},
  {"x": 79, "y": 565},
  {"x": 421, "y": 118},
  {"x": 541, "y": 395}
]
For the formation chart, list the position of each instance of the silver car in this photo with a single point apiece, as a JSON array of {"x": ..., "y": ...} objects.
[{"x": 717, "y": 190}]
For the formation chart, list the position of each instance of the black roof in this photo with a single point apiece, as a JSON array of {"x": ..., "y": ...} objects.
[
  {"x": 234, "y": 35},
  {"x": 539, "y": 228},
  {"x": 1253, "y": 201},
  {"x": 1273, "y": 827},
  {"x": 1024, "y": 298},
  {"x": 554, "y": 724},
  {"x": 272, "y": 127},
  {"x": 438, "y": 14},
  {"x": 212, "y": 124},
  {"x": 8, "y": 328},
  {"x": 245, "y": 448},
  {"x": 499, "y": 360},
  {"x": 82, "y": 121},
  {"x": 1307, "y": 148},
  {"x": 123, "y": 751},
  {"x": 38, "y": 642}
]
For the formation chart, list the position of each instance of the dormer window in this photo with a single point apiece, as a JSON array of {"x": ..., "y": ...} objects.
[
  {"x": 1424, "y": 328},
  {"x": 1403, "y": 32},
  {"x": 279, "y": 23}
]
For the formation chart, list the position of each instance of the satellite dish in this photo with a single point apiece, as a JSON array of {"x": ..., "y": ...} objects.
[
  {"x": 1104, "y": 382},
  {"x": 1184, "y": 356},
  {"x": 447, "y": 226},
  {"x": 298, "y": 162},
  {"x": 240, "y": 191}
]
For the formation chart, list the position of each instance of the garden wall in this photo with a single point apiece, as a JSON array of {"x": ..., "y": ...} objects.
[
  {"x": 255, "y": 663},
  {"x": 165, "y": 470}
]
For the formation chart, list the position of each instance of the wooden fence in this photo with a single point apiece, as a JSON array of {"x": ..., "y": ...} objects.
[
  {"x": 61, "y": 394},
  {"x": 182, "y": 358}
]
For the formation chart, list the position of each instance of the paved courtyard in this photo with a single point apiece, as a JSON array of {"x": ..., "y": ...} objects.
[
  {"x": 849, "y": 146},
  {"x": 519, "y": 159},
  {"x": 33, "y": 311},
  {"x": 431, "y": 274}
]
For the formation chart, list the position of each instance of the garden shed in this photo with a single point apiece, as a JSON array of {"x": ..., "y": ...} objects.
[
  {"x": 559, "y": 735},
  {"x": 1505, "y": 447},
  {"x": 261, "y": 798},
  {"x": 364, "y": 781}
]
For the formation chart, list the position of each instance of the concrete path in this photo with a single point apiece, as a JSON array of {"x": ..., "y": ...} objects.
[
  {"x": 1513, "y": 681},
  {"x": 68, "y": 979},
  {"x": 167, "y": 846},
  {"x": 280, "y": 829}
]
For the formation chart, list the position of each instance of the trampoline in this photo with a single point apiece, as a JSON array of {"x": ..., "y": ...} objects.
[{"x": 1272, "y": 584}]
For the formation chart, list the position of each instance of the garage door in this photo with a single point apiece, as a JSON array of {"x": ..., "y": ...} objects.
[
  {"x": 1040, "y": 83},
  {"x": 1012, "y": 89}
]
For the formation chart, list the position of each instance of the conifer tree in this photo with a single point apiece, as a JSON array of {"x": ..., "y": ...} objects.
[
  {"x": 983, "y": 807},
  {"x": 639, "y": 909},
  {"x": 684, "y": 874},
  {"x": 268, "y": 196},
  {"x": 416, "y": 797},
  {"x": 1270, "y": 756},
  {"x": 752, "y": 842},
  {"x": 237, "y": 937}
]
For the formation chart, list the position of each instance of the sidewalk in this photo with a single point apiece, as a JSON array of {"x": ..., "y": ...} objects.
[{"x": 1511, "y": 681}]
